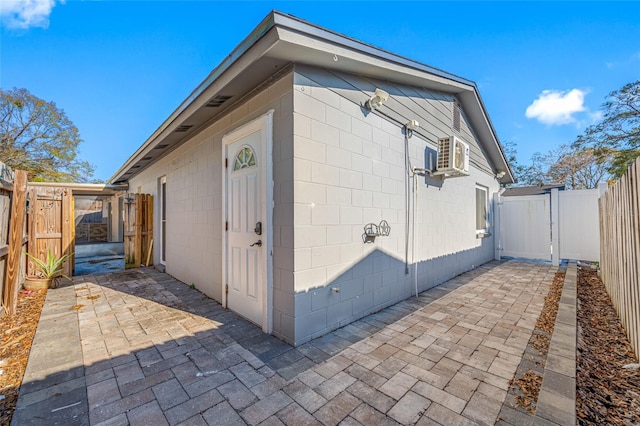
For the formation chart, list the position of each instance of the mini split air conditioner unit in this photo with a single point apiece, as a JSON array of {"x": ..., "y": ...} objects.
[{"x": 453, "y": 158}]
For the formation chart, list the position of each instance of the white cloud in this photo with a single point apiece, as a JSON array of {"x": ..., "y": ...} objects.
[
  {"x": 615, "y": 64},
  {"x": 554, "y": 107},
  {"x": 23, "y": 14}
]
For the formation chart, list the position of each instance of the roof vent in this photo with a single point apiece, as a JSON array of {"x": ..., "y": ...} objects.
[
  {"x": 218, "y": 100},
  {"x": 146, "y": 158},
  {"x": 456, "y": 116},
  {"x": 161, "y": 146},
  {"x": 183, "y": 128}
]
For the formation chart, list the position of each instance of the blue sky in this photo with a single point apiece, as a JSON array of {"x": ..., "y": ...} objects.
[{"x": 119, "y": 68}]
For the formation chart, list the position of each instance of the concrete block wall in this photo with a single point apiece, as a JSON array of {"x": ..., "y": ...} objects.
[
  {"x": 336, "y": 168},
  {"x": 349, "y": 171},
  {"x": 195, "y": 207}
]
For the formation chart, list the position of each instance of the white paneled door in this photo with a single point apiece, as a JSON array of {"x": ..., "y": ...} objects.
[{"x": 246, "y": 236}]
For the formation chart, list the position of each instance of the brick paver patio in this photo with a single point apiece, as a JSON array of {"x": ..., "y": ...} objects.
[{"x": 157, "y": 352}]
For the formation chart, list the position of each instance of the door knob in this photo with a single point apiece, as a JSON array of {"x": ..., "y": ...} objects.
[{"x": 257, "y": 243}]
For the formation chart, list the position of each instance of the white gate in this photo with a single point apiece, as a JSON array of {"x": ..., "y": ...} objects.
[
  {"x": 525, "y": 226},
  {"x": 560, "y": 225}
]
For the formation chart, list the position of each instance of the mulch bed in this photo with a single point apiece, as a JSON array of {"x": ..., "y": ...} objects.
[
  {"x": 16, "y": 336},
  {"x": 607, "y": 392}
]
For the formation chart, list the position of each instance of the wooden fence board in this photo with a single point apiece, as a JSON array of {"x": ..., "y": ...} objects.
[
  {"x": 138, "y": 229},
  {"x": 129, "y": 222},
  {"x": 67, "y": 225},
  {"x": 620, "y": 249},
  {"x": 16, "y": 233},
  {"x": 5, "y": 212}
]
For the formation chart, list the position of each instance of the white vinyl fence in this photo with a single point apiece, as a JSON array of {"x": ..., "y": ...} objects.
[
  {"x": 525, "y": 226},
  {"x": 579, "y": 225},
  {"x": 559, "y": 225}
]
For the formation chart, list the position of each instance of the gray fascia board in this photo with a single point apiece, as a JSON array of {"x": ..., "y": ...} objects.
[
  {"x": 83, "y": 188},
  {"x": 313, "y": 30},
  {"x": 486, "y": 122},
  {"x": 496, "y": 140}
]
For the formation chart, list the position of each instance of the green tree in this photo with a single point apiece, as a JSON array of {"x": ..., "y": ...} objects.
[
  {"x": 615, "y": 140},
  {"x": 38, "y": 137}
]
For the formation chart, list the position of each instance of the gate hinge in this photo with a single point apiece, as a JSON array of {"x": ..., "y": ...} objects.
[
  {"x": 226, "y": 163},
  {"x": 226, "y": 289},
  {"x": 226, "y": 226}
]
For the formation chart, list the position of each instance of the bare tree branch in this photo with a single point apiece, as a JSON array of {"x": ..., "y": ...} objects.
[{"x": 38, "y": 137}]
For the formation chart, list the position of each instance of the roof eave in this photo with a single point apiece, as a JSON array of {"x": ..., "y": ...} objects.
[
  {"x": 316, "y": 43},
  {"x": 264, "y": 27}
]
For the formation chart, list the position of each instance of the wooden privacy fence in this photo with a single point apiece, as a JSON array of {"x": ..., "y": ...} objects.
[
  {"x": 620, "y": 249},
  {"x": 138, "y": 230},
  {"x": 12, "y": 236}
]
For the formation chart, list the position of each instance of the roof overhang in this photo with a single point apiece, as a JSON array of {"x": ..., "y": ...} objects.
[
  {"x": 281, "y": 40},
  {"x": 84, "y": 189}
]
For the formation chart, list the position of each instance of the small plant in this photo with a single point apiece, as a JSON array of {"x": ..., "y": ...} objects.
[
  {"x": 192, "y": 285},
  {"x": 51, "y": 267}
]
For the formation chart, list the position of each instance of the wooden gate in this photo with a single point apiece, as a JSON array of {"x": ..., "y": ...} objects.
[
  {"x": 138, "y": 230},
  {"x": 50, "y": 225}
]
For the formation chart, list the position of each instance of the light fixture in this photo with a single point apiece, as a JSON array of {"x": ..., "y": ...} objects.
[
  {"x": 412, "y": 125},
  {"x": 409, "y": 127},
  {"x": 376, "y": 101},
  {"x": 500, "y": 174}
]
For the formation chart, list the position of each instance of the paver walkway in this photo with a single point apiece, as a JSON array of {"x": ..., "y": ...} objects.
[{"x": 157, "y": 352}]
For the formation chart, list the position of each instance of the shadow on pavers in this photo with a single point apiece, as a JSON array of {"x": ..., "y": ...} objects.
[{"x": 121, "y": 386}]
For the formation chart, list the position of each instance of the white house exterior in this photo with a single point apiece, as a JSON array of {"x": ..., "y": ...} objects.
[{"x": 305, "y": 158}]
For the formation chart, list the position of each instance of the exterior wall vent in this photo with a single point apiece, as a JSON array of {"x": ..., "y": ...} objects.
[
  {"x": 217, "y": 101},
  {"x": 456, "y": 116},
  {"x": 183, "y": 128}
]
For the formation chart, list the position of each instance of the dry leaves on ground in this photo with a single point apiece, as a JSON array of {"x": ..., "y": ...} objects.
[
  {"x": 607, "y": 393},
  {"x": 15, "y": 343},
  {"x": 528, "y": 386}
]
